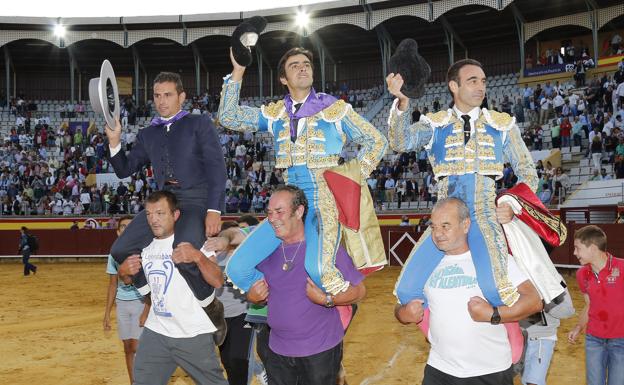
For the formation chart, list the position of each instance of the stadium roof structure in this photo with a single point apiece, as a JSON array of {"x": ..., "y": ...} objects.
[{"x": 342, "y": 32}]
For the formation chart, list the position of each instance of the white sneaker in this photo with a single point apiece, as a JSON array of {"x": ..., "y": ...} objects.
[{"x": 263, "y": 379}]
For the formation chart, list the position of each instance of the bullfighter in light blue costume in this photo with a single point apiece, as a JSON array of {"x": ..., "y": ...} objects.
[
  {"x": 310, "y": 130},
  {"x": 467, "y": 148}
]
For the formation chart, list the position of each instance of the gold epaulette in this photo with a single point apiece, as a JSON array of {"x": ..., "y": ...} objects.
[
  {"x": 499, "y": 120},
  {"x": 273, "y": 110},
  {"x": 439, "y": 118},
  {"x": 336, "y": 111}
]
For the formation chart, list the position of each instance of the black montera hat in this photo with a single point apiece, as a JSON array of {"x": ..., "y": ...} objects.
[
  {"x": 412, "y": 67},
  {"x": 246, "y": 36}
]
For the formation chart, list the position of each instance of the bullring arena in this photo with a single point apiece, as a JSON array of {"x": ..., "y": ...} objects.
[{"x": 51, "y": 325}]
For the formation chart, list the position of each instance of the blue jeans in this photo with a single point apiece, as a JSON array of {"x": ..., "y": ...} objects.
[
  {"x": 28, "y": 267},
  {"x": 604, "y": 360}
]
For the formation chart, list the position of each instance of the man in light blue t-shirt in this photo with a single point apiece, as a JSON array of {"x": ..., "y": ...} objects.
[{"x": 132, "y": 309}]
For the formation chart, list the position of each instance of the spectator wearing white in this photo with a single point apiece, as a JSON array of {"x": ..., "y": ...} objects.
[
  {"x": 558, "y": 103},
  {"x": 617, "y": 102},
  {"x": 573, "y": 99},
  {"x": 562, "y": 178},
  {"x": 241, "y": 151},
  {"x": 85, "y": 199},
  {"x": 545, "y": 104},
  {"x": 389, "y": 186}
]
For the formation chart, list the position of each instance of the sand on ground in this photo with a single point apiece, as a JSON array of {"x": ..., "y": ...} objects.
[{"x": 51, "y": 333}]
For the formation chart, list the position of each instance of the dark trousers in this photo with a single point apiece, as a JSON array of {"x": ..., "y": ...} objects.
[
  {"x": 434, "y": 376},
  {"x": 28, "y": 267},
  {"x": 235, "y": 350},
  {"x": 190, "y": 227},
  {"x": 262, "y": 341},
  {"x": 317, "y": 369}
]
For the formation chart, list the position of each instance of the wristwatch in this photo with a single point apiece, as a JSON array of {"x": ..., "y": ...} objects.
[
  {"x": 496, "y": 318},
  {"x": 329, "y": 301}
]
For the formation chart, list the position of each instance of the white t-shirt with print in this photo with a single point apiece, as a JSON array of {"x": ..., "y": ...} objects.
[
  {"x": 175, "y": 312},
  {"x": 460, "y": 346}
]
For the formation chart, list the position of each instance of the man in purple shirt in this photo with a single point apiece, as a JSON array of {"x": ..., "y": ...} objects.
[{"x": 306, "y": 332}]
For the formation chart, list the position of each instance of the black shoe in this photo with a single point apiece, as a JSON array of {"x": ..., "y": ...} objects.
[{"x": 216, "y": 315}]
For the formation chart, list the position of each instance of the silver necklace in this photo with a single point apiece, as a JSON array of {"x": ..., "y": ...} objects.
[{"x": 288, "y": 263}]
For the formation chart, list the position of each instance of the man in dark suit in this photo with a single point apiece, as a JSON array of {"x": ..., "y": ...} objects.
[{"x": 186, "y": 157}]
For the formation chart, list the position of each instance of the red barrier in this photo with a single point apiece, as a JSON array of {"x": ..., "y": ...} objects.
[{"x": 62, "y": 242}]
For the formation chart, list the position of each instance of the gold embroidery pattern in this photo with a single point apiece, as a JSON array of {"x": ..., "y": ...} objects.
[
  {"x": 454, "y": 153},
  {"x": 314, "y": 134},
  {"x": 487, "y": 153},
  {"x": 316, "y": 148},
  {"x": 329, "y": 236},
  {"x": 520, "y": 159},
  {"x": 485, "y": 214},
  {"x": 233, "y": 116},
  {"x": 400, "y": 132},
  {"x": 552, "y": 222},
  {"x": 500, "y": 120},
  {"x": 284, "y": 134},
  {"x": 454, "y": 140},
  {"x": 439, "y": 118},
  {"x": 374, "y": 144},
  {"x": 336, "y": 111},
  {"x": 273, "y": 110}
]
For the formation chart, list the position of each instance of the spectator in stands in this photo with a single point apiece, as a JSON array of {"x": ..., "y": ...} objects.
[
  {"x": 596, "y": 175},
  {"x": 518, "y": 111},
  {"x": 555, "y": 134},
  {"x": 545, "y": 105},
  {"x": 545, "y": 195},
  {"x": 604, "y": 175},
  {"x": 565, "y": 131},
  {"x": 596, "y": 151},
  {"x": 562, "y": 178},
  {"x": 577, "y": 131},
  {"x": 579, "y": 75}
]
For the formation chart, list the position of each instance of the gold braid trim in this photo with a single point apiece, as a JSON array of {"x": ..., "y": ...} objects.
[
  {"x": 552, "y": 222},
  {"x": 336, "y": 111},
  {"x": 273, "y": 110}
]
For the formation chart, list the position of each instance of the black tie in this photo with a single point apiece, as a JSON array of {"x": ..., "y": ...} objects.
[
  {"x": 466, "y": 128},
  {"x": 293, "y": 137}
]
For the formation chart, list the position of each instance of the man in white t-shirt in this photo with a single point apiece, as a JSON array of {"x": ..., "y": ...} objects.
[
  {"x": 469, "y": 345},
  {"x": 178, "y": 331}
]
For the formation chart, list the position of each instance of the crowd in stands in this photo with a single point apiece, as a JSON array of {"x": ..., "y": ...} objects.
[{"x": 53, "y": 171}]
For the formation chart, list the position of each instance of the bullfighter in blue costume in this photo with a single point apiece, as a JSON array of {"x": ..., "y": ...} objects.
[
  {"x": 467, "y": 148},
  {"x": 310, "y": 130}
]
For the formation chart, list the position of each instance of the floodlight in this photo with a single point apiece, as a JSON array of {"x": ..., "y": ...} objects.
[
  {"x": 302, "y": 19},
  {"x": 59, "y": 30}
]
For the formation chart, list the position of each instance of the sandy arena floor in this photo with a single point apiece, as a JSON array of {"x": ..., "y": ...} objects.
[{"x": 51, "y": 333}]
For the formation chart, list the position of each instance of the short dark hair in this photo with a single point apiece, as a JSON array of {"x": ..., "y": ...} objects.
[
  {"x": 298, "y": 199},
  {"x": 453, "y": 71},
  {"x": 170, "y": 77},
  {"x": 228, "y": 224},
  {"x": 281, "y": 67},
  {"x": 170, "y": 197},
  {"x": 124, "y": 218},
  {"x": 592, "y": 235},
  {"x": 249, "y": 219},
  {"x": 24, "y": 228}
]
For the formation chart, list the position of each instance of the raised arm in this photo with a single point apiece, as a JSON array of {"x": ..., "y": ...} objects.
[
  {"x": 233, "y": 116},
  {"x": 126, "y": 165},
  {"x": 402, "y": 135}
]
